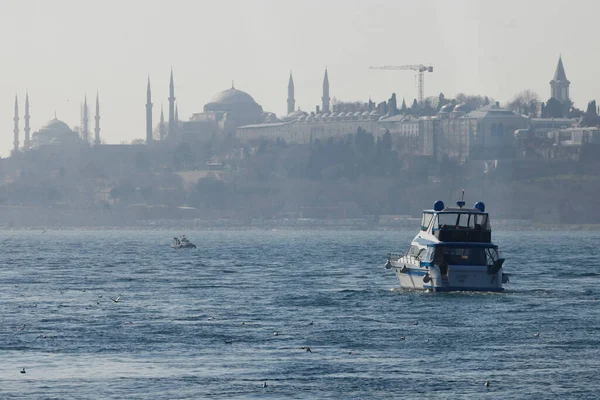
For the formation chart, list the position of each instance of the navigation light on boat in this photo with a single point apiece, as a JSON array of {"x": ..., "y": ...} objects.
[
  {"x": 438, "y": 205},
  {"x": 479, "y": 206}
]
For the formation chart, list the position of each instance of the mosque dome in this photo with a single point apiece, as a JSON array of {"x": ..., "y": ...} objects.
[
  {"x": 462, "y": 107},
  {"x": 293, "y": 116},
  {"x": 232, "y": 96},
  {"x": 54, "y": 131},
  {"x": 297, "y": 114},
  {"x": 271, "y": 117},
  {"x": 55, "y": 125},
  {"x": 447, "y": 108},
  {"x": 233, "y": 100}
]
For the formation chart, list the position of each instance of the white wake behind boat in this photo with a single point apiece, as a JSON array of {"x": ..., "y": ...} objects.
[{"x": 453, "y": 251}]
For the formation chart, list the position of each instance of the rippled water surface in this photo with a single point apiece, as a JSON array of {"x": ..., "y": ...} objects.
[{"x": 221, "y": 320}]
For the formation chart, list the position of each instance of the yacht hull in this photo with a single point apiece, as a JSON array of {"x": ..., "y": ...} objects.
[{"x": 458, "y": 277}]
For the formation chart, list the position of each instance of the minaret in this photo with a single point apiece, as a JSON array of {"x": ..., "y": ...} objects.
[
  {"x": 148, "y": 114},
  {"x": 161, "y": 125},
  {"x": 325, "y": 97},
  {"x": 176, "y": 113},
  {"x": 86, "y": 132},
  {"x": 27, "y": 129},
  {"x": 97, "y": 127},
  {"x": 171, "y": 105},
  {"x": 559, "y": 85},
  {"x": 291, "y": 102},
  {"x": 16, "y": 129}
]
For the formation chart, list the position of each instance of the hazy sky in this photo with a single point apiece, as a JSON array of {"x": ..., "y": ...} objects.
[{"x": 60, "y": 50}]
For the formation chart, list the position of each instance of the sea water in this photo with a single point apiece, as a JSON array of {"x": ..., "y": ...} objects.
[{"x": 224, "y": 319}]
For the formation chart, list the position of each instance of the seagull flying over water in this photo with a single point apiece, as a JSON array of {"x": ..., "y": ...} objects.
[
  {"x": 537, "y": 334},
  {"x": 305, "y": 348},
  {"x": 117, "y": 299},
  {"x": 486, "y": 383}
]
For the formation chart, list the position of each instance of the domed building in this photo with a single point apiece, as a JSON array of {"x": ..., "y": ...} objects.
[
  {"x": 54, "y": 131},
  {"x": 294, "y": 115},
  {"x": 226, "y": 111},
  {"x": 235, "y": 101},
  {"x": 460, "y": 110}
]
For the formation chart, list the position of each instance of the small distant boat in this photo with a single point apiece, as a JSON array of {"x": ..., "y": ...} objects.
[
  {"x": 182, "y": 242},
  {"x": 452, "y": 252}
]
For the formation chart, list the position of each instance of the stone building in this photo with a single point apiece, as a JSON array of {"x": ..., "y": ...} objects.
[
  {"x": 227, "y": 111},
  {"x": 55, "y": 132}
]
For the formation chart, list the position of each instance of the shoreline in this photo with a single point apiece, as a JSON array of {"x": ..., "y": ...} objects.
[{"x": 193, "y": 226}]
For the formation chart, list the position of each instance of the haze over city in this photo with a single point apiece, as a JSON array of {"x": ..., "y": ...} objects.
[
  {"x": 61, "y": 50},
  {"x": 253, "y": 190}
]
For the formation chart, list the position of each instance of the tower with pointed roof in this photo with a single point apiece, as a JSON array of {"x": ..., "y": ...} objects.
[
  {"x": 291, "y": 102},
  {"x": 16, "y": 127},
  {"x": 148, "y": 114},
  {"x": 171, "y": 105},
  {"x": 97, "y": 126},
  {"x": 85, "y": 132},
  {"x": 161, "y": 125},
  {"x": 325, "y": 97},
  {"x": 559, "y": 85},
  {"x": 27, "y": 142}
]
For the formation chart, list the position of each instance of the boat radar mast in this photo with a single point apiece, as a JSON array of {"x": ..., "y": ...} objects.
[{"x": 461, "y": 203}]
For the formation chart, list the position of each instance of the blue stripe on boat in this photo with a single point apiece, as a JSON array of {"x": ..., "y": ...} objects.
[
  {"x": 462, "y": 244},
  {"x": 462, "y": 289},
  {"x": 415, "y": 272}
]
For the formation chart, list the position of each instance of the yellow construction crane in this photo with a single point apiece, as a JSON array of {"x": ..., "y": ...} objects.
[{"x": 421, "y": 69}]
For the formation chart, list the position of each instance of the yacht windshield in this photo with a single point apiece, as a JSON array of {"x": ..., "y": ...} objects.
[
  {"x": 427, "y": 217},
  {"x": 463, "y": 221}
]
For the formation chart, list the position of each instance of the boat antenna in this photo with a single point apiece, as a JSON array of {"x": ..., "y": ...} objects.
[{"x": 461, "y": 203}]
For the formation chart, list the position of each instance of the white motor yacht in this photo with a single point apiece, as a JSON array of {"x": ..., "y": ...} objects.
[{"x": 453, "y": 251}]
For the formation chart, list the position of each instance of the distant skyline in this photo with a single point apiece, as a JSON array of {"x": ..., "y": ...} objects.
[{"x": 63, "y": 49}]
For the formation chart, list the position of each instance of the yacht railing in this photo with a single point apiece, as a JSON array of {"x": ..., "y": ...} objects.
[{"x": 396, "y": 256}]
